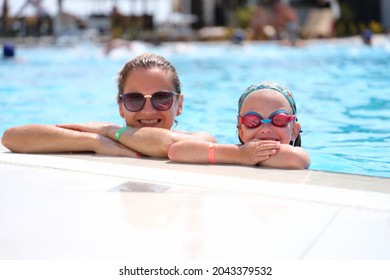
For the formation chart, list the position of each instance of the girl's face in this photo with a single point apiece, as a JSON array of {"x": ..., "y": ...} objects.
[
  {"x": 265, "y": 102},
  {"x": 148, "y": 82}
]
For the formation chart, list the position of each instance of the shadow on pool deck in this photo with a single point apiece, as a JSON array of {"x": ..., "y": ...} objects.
[{"x": 85, "y": 206}]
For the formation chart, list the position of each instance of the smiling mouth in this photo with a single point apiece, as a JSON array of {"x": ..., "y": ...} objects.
[
  {"x": 273, "y": 139},
  {"x": 149, "y": 122}
]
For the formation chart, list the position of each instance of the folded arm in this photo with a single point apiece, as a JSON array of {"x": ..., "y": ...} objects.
[
  {"x": 288, "y": 157},
  {"x": 94, "y": 137},
  {"x": 264, "y": 153},
  {"x": 198, "y": 152},
  {"x": 152, "y": 141},
  {"x": 38, "y": 138}
]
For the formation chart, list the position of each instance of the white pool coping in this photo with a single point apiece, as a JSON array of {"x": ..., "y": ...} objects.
[{"x": 89, "y": 207}]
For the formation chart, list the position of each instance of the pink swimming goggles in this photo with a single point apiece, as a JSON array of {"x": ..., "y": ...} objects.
[{"x": 280, "y": 118}]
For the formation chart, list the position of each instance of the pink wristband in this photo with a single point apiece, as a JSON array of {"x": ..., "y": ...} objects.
[{"x": 211, "y": 153}]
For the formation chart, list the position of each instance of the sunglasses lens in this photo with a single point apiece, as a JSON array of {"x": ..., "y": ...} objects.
[
  {"x": 162, "y": 101},
  {"x": 251, "y": 121},
  {"x": 281, "y": 120},
  {"x": 134, "y": 101}
]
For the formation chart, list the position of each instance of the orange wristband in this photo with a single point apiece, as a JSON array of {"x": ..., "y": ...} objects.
[{"x": 211, "y": 153}]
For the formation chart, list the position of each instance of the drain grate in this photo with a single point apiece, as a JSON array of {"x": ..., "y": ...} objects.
[{"x": 132, "y": 186}]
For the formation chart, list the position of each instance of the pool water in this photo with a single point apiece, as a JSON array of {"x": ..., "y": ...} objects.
[{"x": 342, "y": 90}]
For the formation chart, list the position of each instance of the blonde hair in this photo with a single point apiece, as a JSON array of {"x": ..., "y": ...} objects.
[{"x": 146, "y": 61}]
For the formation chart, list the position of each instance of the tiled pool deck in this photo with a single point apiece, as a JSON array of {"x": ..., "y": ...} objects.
[{"x": 89, "y": 207}]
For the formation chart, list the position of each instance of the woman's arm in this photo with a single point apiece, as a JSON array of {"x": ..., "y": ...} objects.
[
  {"x": 38, "y": 138},
  {"x": 150, "y": 141},
  {"x": 95, "y": 137},
  {"x": 155, "y": 142}
]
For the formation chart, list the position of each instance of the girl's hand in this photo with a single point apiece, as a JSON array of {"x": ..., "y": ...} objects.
[{"x": 256, "y": 151}]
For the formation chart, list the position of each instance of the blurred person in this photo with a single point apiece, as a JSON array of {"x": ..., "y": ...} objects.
[
  {"x": 334, "y": 7},
  {"x": 117, "y": 43},
  {"x": 149, "y": 99},
  {"x": 4, "y": 18},
  {"x": 116, "y": 23},
  {"x": 259, "y": 21},
  {"x": 9, "y": 53},
  {"x": 286, "y": 22},
  {"x": 367, "y": 37},
  {"x": 238, "y": 36},
  {"x": 9, "y": 50},
  {"x": 117, "y": 27}
]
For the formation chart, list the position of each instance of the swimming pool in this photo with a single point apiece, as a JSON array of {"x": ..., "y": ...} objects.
[{"x": 341, "y": 88}]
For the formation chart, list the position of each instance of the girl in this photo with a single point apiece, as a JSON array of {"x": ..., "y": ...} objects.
[{"x": 267, "y": 129}]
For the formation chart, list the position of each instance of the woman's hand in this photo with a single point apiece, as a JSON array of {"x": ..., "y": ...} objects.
[
  {"x": 92, "y": 127},
  {"x": 107, "y": 146},
  {"x": 102, "y": 145}
]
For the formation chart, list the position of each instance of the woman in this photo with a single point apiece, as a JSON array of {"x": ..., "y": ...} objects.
[{"x": 149, "y": 99}]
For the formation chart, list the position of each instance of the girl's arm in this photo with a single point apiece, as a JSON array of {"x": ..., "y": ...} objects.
[
  {"x": 265, "y": 153},
  {"x": 288, "y": 157},
  {"x": 192, "y": 151}
]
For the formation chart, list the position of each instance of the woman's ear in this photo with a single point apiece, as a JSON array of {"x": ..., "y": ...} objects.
[
  {"x": 121, "y": 112},
  {"x": 295, "y": 131},
  {"x": 180, "y": 105}
]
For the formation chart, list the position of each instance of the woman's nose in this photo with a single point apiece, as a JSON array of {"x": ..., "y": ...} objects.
[{"x": 148, "y": 105}]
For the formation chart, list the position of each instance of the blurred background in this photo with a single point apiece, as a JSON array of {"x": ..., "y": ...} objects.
[
  {"x": 61, "y": 57},
  {"x": 186, "y": 20}
]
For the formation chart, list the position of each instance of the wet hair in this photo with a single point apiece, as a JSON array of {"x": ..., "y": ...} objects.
[
  {"x": 147, "y": 61},
  {"x": 297, "y": 141}
]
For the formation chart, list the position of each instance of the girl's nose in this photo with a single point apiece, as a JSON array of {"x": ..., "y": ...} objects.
[{"x": 265, "y": 127}]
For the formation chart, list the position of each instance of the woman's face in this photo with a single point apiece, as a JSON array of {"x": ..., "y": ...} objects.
[
  {"x": 265, "y": 102},
  {"x": 148, "y": 82}
]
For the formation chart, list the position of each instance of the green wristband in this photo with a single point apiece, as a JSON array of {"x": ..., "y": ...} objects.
[{"x": 118, "y": 134}]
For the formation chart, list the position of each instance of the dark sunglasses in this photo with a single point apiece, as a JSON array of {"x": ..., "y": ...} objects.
[
  {"x": 135, "y": 101},
  {"x": 280, "y": 118}
]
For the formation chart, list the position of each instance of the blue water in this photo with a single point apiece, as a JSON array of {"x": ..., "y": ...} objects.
[{"x": 342, "y": 92}]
